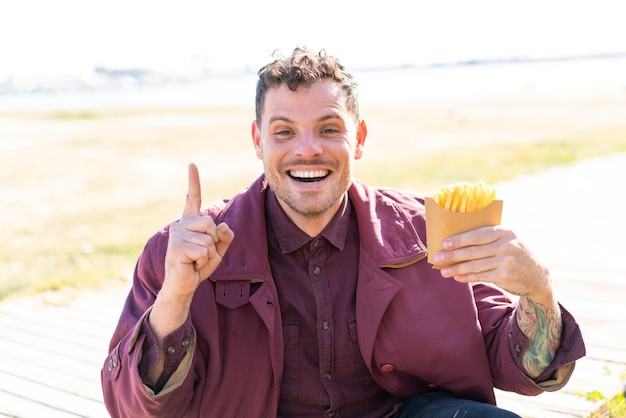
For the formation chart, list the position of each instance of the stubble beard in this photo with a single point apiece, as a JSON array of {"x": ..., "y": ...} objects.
[{"x": 308, "y": 204}]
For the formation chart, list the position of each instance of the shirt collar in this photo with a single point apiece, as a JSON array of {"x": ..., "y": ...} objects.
[{"x": 291, "y": 238}]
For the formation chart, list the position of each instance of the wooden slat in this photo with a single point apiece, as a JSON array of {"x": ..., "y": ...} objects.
[{"x": 51, "y": 355}]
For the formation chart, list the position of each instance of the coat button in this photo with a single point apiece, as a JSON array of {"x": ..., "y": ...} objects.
[
  {"x": 113, "y": 362},
  {"x": 386, "y": 368}
]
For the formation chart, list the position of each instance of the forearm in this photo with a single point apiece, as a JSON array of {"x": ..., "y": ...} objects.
[{"x": 540, "y": 321}]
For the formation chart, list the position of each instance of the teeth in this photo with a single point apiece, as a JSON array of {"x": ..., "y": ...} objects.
[{"x": 309, "y": 174}]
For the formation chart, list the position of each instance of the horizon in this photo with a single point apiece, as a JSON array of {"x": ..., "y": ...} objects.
[{"x": 380, "y": 85}]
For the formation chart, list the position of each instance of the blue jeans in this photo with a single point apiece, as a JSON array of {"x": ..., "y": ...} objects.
[{"x": 445, "y": 405}]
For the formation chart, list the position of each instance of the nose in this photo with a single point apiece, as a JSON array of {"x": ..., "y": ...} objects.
[{"x": 308, "y": 145}]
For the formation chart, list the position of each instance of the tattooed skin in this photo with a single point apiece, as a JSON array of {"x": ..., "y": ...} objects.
[{"x": 542, "y": 325}]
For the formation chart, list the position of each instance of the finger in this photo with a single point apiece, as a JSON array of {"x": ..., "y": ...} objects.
[
  {"x": 479, "y": 236},
  {"x": 216, "y": 252},
  {"x": 471, "y": 271},
  {"x": 225, "y": 236},
  {"x": 203, "y": 224},
  {"x": 466, "y": 254},
  {"x": 194, "y": 194},
  {"x": 195, "y": 238}
]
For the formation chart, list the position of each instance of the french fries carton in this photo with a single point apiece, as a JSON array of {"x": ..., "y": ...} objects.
[{"x": 457, "y": 208}]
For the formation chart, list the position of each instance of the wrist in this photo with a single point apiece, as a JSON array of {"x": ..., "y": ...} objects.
[
  {"x": 168, "y": 313},
  {"x": 542, "y": 292}
]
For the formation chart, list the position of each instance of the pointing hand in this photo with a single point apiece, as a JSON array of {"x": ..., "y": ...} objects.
[{"x": 196, "y": 244}]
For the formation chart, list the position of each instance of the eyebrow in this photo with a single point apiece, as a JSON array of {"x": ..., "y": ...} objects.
[
  {"x": 279, "y": 118},
  {"x": 330, "y": 116},
  {"x": 321, "y": 119}
]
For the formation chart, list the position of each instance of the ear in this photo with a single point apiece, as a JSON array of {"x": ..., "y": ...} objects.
[
  {"x": 256, "y": 140},
  {"x": 361, "y": 134}
]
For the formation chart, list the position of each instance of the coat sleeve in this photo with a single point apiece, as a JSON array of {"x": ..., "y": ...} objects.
[
  {"x": 125, "y": 394},
  {"x": 506, "y": 343}
]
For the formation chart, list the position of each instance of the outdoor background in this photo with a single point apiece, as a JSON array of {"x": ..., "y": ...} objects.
[{"x": 103, "y": 105}]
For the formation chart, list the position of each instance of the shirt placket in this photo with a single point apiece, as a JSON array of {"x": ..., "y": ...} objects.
[{"x": 318, "y": 275}]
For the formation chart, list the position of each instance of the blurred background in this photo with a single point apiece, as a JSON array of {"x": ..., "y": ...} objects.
[
  {"x": 73, "y": 45},
  {"x": 104, "y": 103},
  {"x": 73, "y": 38}
]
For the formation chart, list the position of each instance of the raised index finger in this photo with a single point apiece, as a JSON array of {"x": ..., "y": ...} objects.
[{"x": 194, "y": 194}]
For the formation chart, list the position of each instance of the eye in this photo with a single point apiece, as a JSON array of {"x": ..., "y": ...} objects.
[
  {"x": 283, "y": 132},
  {"x": 330, "y": 131}
]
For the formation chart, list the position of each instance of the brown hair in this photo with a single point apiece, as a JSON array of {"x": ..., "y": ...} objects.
[{"x": 304, "y": 68}]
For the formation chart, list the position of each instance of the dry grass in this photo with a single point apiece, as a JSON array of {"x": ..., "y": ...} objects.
[
  {"x": 613, "y": 408},
  {"x": 81, "y": 191}
]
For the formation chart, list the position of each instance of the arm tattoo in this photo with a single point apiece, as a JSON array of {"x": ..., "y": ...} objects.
[{"x": 542, "y": 326}]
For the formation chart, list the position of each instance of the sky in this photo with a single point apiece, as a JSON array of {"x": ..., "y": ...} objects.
[{"x": 71, "y": 37}]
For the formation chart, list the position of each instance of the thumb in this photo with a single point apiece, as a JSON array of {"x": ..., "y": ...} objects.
[{"x": 225, "y": 236}]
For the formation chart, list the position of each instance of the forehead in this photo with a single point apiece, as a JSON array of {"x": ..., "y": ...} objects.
[{"x": 320, "y": 97}]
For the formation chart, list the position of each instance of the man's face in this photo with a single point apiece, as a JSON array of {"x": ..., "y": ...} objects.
[{"x": 307, "y": 141}]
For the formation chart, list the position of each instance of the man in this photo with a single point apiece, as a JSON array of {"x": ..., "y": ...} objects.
[{"x": 309, "y": 294}]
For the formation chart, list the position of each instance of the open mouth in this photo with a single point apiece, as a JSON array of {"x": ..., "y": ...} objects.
[{"x": 308, "y": 176}]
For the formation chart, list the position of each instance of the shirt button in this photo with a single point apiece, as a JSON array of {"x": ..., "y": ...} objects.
[
  {"x": 325, "y": 325},
  {"x": 317, "y": 270},
  {"x": 185, "y": 342},
  {"x": 517, "y": 348},
  {"x": 328, "y": 376},
  {"x": 432, "y": 386},
  {"x": 171, "y": 350},
  {"x": 386, "y": 368}
]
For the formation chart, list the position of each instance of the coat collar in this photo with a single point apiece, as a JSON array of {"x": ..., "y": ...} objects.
[
  {"x": 388, "y": 230},
  {"x": 387, "y": 234}
]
